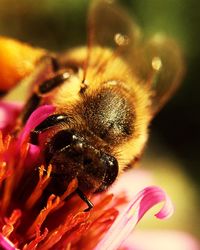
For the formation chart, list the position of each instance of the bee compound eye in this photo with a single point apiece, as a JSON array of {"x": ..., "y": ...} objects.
[
  {"x": 58, "y": 143},
  {"x": 111, "y": 171},
  {"x": 62, "y": 139}
]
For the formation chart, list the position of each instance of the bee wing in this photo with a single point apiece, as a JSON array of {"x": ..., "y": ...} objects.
[
  {"x": 160, "y": 68},
  {"x": 157, "y": 63},
  {"x": 110, "y": 26}
]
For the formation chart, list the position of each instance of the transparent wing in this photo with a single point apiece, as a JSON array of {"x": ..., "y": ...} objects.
[
  {"x": 110, "y": 26},
  {"x": 157, "y": 63},
  {"x": 161, "y": 68}
]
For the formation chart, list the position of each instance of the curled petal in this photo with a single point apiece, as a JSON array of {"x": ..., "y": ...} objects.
[
  {"x": 151, "y": 196},
  {"x": 132, "y": 214},
  {"x": 35, "y": 119}
]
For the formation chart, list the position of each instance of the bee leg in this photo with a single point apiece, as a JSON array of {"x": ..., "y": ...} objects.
[
  {"x": 47, "y": 86},
  {"x": 35, "y": 100},
  {"x": 52, "y": 83},
  {"x": 85, "y": 199},
  {"x": 50, "y": 121}
]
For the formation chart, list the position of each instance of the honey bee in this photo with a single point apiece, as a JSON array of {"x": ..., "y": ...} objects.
[{"x": 106, "y": 95}]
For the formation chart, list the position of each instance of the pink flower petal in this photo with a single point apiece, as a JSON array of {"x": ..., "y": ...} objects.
[
  {"x": 129, "y": 185},
  {"x": 33, "y": 155},
  {"x": 132, "y": 214},
  {"x": 157, "y": 240},
  {"x": 35, "y": 119},
  {"x": 6, "y": 244}
]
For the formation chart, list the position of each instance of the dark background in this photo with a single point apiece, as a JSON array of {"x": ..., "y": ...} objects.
[{"x": 60, "y": 24}]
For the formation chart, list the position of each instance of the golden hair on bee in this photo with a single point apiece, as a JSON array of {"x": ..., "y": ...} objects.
[{"x": 105, "y": 95}]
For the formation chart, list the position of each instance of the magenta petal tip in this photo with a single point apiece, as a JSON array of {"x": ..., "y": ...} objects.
[
  {"x": 36, "y": 118},
  {"x": 132, "y": 214}
]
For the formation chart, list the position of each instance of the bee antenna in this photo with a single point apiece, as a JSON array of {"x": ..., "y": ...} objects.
[
  {"x": 85, "y": 199},
  {"x": 90, "y": 41}
]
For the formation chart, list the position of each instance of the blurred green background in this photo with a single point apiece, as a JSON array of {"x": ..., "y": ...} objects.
[{"x": 61, "y": 24}]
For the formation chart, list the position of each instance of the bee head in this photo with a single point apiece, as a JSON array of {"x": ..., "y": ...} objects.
[{"x": 72, "y": 156}]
